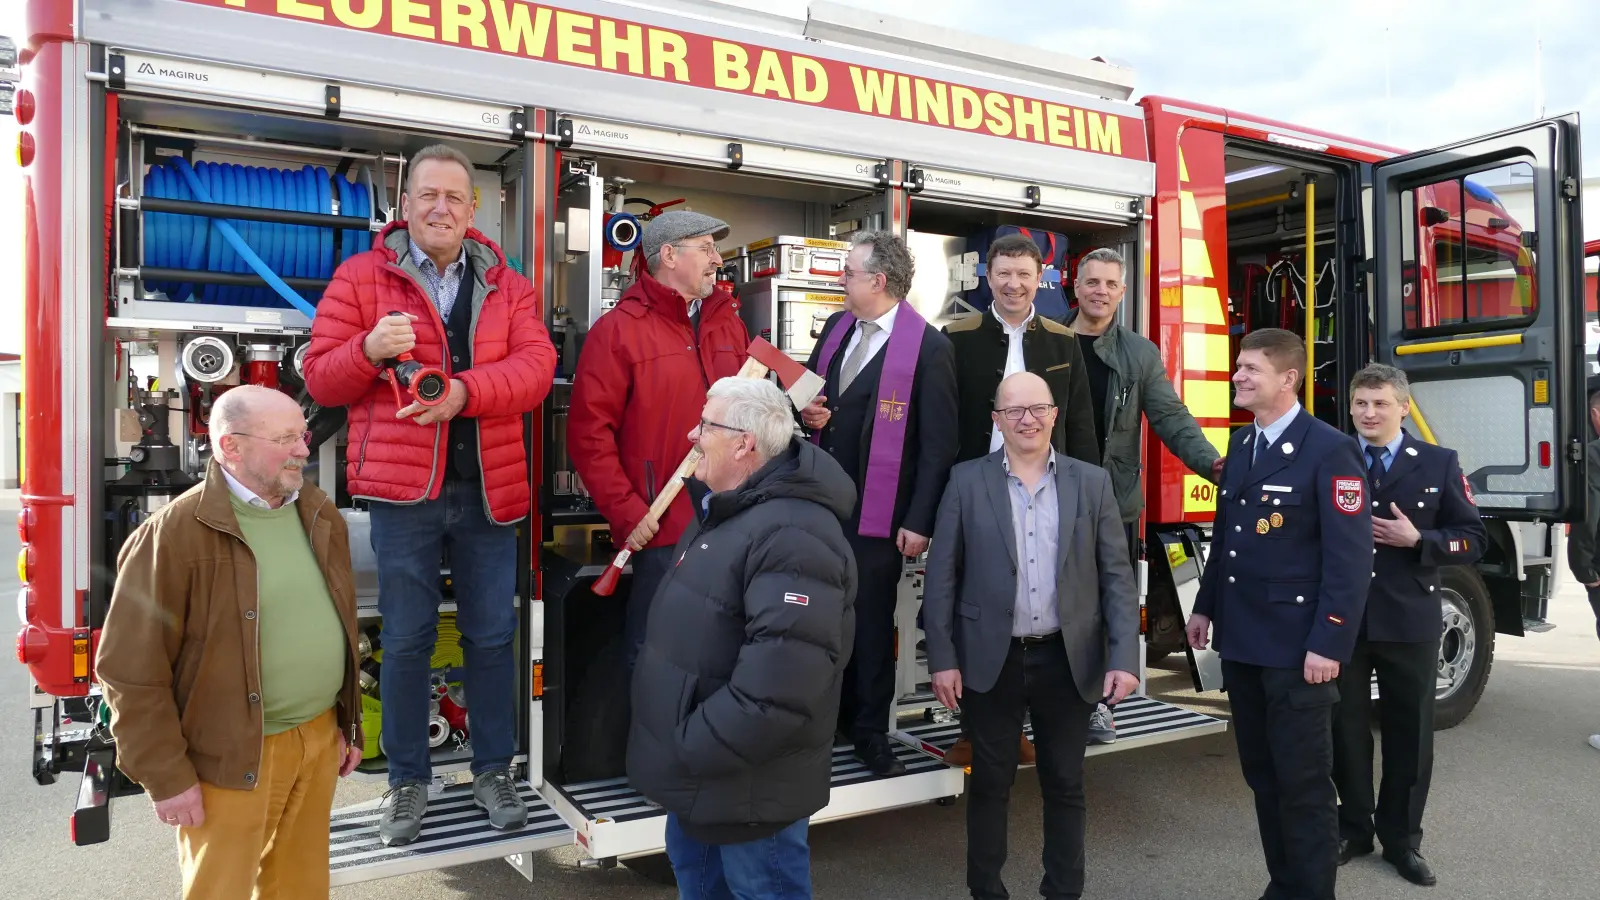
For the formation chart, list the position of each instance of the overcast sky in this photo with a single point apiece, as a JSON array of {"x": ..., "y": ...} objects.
[{"x": 1411, "y": 73}]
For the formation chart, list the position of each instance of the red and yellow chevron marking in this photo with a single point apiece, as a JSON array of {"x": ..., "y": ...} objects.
[{"x": 1205, "y": 355}]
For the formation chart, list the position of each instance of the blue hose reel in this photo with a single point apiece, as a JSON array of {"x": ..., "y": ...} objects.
[{"x": 272, "y": 251}]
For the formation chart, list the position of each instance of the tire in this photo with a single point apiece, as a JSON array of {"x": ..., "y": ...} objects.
[
  {"x": 1466, "y": 652},
  {"x": 597, "y": 739}
]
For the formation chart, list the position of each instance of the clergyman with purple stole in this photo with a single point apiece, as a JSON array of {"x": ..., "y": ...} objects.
[{"x": 888, "y": 416}]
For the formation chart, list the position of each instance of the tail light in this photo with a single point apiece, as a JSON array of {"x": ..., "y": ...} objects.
[
  {"x": 1544, "y": 454},
  {"x": 31, "y": 644}
]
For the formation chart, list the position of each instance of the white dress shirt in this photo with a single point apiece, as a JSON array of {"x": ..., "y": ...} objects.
[
  {"x": 251, "y": 497},
  {"x": 1014, "y": 361},
  {"x": 880, "y": 337}
]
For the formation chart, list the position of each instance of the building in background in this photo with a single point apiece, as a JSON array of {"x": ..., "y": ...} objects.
[{"x": 10, "y": 420}]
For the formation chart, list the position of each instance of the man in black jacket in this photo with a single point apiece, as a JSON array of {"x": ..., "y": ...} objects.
[
  {"x": 1582, "y": 557},
  {"x": 886, "y": 416},
  {"x": 736, "y": 690},
  {"x": 1423, "y": 517},
  {"x": 1010, "y": 338}
]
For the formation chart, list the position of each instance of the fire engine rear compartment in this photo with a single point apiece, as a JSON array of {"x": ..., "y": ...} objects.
[{"x": 1269, "y": 200}]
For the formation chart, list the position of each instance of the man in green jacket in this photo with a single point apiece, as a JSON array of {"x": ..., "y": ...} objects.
[{"x": 1126, "y": 378}]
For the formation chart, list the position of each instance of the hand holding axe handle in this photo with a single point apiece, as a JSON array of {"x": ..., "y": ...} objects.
[{"x": 800, "y": 383}]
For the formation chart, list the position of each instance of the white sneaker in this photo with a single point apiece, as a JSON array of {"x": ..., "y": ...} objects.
[
  {"x": 1594, "y": 741},
  {"x": 1102, "y": 728}
]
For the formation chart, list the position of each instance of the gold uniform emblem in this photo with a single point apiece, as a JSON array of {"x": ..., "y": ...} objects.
[
  {"x": 1262, "y": 527},
  {"x": 1277, "y": 520}
]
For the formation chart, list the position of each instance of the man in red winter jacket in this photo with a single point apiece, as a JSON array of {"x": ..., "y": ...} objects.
[
  {"x": 639, "y": 388},
  {"x": 455, "y": 473}
]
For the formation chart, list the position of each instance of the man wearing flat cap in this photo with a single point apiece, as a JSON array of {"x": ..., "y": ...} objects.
[{"x": 639, "y": 388}]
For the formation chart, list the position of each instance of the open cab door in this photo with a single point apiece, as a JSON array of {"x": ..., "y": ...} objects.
[{"x": 1478, "y": 263}]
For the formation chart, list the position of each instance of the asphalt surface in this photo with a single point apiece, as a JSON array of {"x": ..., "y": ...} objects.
[{"x": 1514, "y": 814}]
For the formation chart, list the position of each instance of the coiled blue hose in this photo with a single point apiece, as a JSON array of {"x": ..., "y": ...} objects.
[{"x": 291, "y": 251}]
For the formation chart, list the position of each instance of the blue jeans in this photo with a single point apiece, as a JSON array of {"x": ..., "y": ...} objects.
[
  {"x": 650, "y": 568},
  {"x": 774, "y": 868},
  {"x": 409, "y": 542}
]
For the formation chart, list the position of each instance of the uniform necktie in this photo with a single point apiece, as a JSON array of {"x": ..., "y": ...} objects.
[
  {"x": 1261, "y": 442},
  {"x": 1375, "y": 466},
  {"x": 858, "y": 356}
]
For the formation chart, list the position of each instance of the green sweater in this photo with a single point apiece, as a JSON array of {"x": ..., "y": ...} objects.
[{"x": 302, "y": 640}]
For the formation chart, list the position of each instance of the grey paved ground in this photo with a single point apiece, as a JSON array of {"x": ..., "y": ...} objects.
[{"x": 1515, "y": 812}]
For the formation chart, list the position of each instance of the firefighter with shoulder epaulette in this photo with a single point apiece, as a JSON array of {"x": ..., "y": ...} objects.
[
  {"x": 1284, "y": 584},
  {"x": 1423, "y": 517}
]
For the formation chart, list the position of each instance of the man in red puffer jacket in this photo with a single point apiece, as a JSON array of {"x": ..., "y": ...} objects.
[
  {"x": 455, "y": 473},
  {"x": 639, "y": 388}
]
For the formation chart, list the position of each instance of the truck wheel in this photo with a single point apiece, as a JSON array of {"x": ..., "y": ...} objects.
[
  {"x": 597, "y": 738},
  {"x": 1466, "y": 651}
]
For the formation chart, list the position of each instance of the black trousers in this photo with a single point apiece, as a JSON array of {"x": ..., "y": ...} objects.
[
  {"x": 1037, "y": 679},
  {"x": 868, "y": 689},
  {"x": 1284, "y": 729},
  {"x": 1406, "y": 675}
]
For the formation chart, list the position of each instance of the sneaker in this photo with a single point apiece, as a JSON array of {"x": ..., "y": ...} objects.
[
  {"x": 1594, "y": 741},
  {"x": 495, "y": 792},
  {"x": 1102, "y": 728},
  {"x": 403, "y": 806}
]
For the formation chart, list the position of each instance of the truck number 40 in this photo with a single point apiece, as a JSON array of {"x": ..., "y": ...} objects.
[{"x": 1202, "y": 492}]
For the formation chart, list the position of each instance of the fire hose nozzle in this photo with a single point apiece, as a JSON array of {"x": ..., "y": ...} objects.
[{"x": 428, "y": 385}]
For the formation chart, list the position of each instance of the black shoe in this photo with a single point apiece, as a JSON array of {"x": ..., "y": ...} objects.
[
  {"x": 878, "y": 756},
  {"x": 1349, "y": 850},
  {"x": 1411, "y": 866}
]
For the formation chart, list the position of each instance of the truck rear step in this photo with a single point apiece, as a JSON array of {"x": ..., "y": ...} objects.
[
  {"x": 612, "y": 820},
  {"x": 1141, "y": 722},
  {"x": 454, "y": 832}
]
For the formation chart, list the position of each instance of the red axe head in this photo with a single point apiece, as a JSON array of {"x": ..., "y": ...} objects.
[{"x": 800, "y": 383}]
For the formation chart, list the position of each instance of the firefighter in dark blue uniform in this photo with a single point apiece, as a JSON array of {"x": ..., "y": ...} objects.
[
  {"x": 1423, "y": 517},
  {"x": 1285, "y": 581}
]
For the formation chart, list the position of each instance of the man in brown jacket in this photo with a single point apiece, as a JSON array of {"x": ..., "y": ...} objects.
[{"x": 228, "y": 659}]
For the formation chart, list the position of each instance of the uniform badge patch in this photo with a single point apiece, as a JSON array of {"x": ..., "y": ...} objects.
[
  {"x": 1262, "y": 527},
  {"x": 1336, "y": 620},
  {"x": 1349, "y": 495},
  {"x": 797, "y": 599},
  {"x": 1277, "y": 520},
  {"x": 1468, "y": 488}
]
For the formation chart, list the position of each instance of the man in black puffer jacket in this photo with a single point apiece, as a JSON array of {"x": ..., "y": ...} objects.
[{"x": 736, "y": 691}]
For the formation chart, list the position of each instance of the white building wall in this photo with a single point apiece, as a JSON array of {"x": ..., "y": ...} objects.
[{"x": 10, "y": 423}]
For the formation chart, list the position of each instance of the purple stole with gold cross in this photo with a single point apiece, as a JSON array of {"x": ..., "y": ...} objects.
[{"x": 889, "y": 423}]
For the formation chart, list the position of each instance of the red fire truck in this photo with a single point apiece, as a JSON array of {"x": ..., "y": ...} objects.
[{"x": 197, "y": 168}]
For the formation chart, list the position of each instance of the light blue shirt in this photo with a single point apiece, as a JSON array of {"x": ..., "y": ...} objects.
[
  {"x": 1272, "y": 432},
  {"x": 1036, "y": 521},
  {"x": 1390, "y": 450}
]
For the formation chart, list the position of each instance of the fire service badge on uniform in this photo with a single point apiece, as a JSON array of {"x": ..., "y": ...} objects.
[{"x": 1349, "y": 494}]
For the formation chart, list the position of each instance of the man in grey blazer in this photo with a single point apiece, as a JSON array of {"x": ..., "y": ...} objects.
[{"x": 1030, "y": 605}]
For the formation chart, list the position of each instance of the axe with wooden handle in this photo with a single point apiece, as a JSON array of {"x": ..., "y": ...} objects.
[{"x": 800, "y": 384}]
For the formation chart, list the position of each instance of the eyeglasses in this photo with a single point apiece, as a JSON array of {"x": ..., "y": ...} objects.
[
  {"x": 707, "y": 423},
  {"x": 848, "y": 273},
  {"x": 709, "y": 249},
  {"x": 1014, "y": 413},
  {"x": 286, "y": 442}
]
